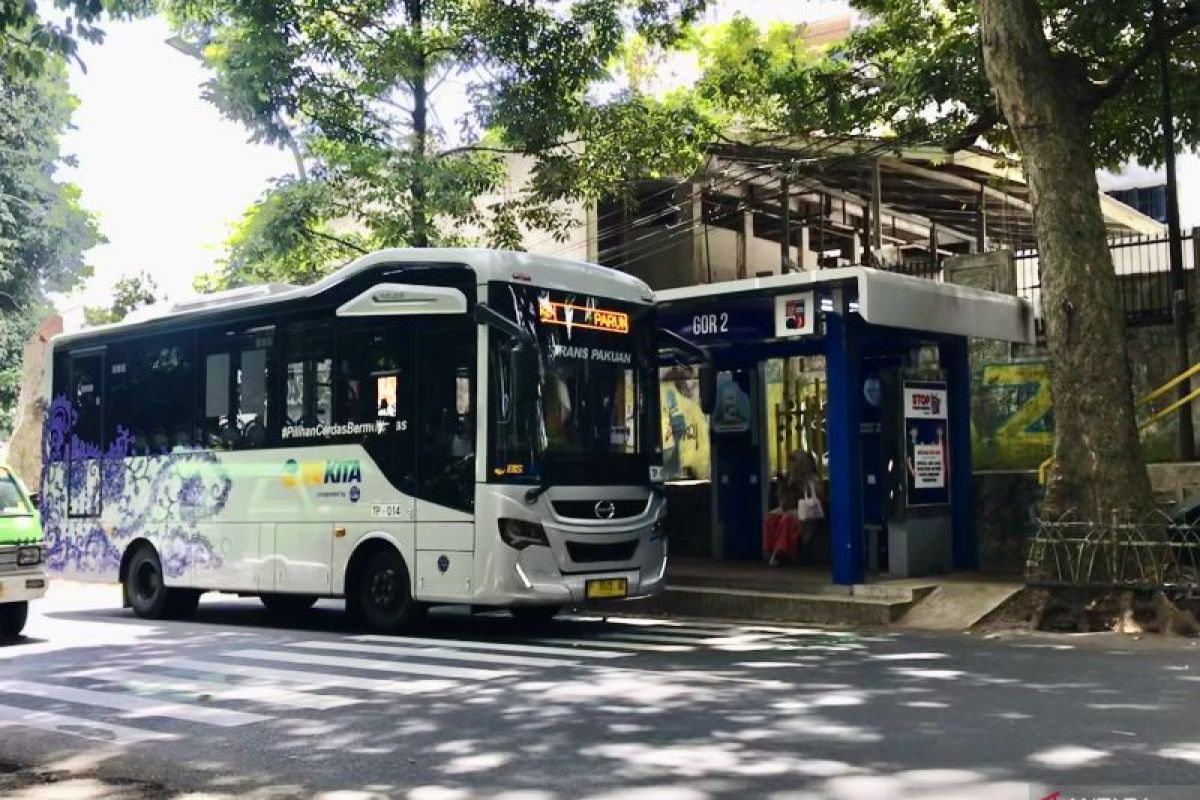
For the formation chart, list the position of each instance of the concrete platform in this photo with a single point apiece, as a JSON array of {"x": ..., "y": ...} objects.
[{"x": 750, "y": 591}]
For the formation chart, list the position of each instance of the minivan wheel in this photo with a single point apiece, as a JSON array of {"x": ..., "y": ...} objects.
[{"x": 12, "y": 620}]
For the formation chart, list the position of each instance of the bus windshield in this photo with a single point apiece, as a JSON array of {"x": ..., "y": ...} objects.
[
  {"x": 12, "y": 501},
  {"x": 595, "y": 400}
]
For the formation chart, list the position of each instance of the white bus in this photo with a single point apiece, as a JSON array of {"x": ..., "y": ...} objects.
[{"x": 422, "y": 427}]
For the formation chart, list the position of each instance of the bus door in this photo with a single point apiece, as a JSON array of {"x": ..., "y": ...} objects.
[{"x": 446, "y": 437}]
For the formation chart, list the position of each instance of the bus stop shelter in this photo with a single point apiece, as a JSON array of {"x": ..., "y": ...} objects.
[{"x": 895, "y": 444}]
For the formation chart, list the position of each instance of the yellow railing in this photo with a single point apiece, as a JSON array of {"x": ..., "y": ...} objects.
[{"x": 1153, "y": 419}]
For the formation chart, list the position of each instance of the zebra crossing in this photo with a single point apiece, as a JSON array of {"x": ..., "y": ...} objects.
[{"x": 164, "y": 699}]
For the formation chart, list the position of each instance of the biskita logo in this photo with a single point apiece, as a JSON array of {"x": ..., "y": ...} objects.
[
  {"x": 927, "y": 401},
  {"x": 313, "y": 473}
]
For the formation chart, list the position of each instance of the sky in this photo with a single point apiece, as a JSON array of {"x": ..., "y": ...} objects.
[{"x": 167, "y": 175}]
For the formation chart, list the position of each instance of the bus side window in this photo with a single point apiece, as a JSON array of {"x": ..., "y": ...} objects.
[
  {"x": 87, "y": 374},
  {"x": 238, "y": 374},
  {"x": 374, "y": 384},
  {"x": 308, "y": 375},
  {"x": 148, "y": 392},
  {"x": 254, "y": 376},
  {"x": 216, "y": 401}
]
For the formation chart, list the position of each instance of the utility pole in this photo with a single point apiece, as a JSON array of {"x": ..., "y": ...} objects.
[
  {"x": 1179, "y": 299},
  {"x": 785, "y": 203}
]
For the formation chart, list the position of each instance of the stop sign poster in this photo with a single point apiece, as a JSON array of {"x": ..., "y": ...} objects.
[{"x": 926, "y": 443}]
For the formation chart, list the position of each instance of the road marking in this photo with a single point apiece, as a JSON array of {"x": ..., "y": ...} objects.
[
  {"x": 308, "y": 681},
  {"x": 133, "y": 705},
  {"x": 370, "y": 664},
  {"x": 437, "y": 652},
  {"x": 609, "y": 638},
  {"x": 650, "y": 648},
  {"x": 112, "y": 733},
  {"x": 500, "y": 647},
  {"x": 217, "y": 690}
]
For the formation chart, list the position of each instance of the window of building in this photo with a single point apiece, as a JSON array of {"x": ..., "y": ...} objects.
[{"x": 1149, "y": 200}]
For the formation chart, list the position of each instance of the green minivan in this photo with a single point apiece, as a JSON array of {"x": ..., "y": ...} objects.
[{"x": 23, "y": 574}]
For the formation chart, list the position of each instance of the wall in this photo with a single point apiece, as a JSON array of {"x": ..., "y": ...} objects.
[
  {"x": 25, "y": 447},
  {"x": 1006, "y": 506}
]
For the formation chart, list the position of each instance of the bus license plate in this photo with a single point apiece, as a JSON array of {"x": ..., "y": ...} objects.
[{"x": 608, "y": 587}]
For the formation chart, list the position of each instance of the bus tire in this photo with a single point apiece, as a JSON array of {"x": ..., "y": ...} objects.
[
  {"x": 12, "y": 620},
  {"x": 380, "y": 595},
  {"x": 287, "y": 603},
  {"x": 534, "y": 615},
  {"x": 145, "y": 590},
  {"x": 182, "y": 603}
]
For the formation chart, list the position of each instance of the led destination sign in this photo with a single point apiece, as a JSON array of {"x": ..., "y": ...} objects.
[{"x": 570, "y": 315}]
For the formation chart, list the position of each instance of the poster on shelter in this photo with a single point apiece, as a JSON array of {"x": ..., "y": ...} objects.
[
  {"x": 732, "y": 414},
  {"x": 926, "y": 443}
]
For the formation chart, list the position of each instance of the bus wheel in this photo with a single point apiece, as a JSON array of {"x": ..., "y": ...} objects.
[
  {"x": 381, "y": 595},
  {"x": 144, "y": 587},
  {"x": 288, "y": 603},
  {"x": 12, "y": 620},
  {"x": 534, "y": 615},
  {"x": 147, "y": 592},
  {"x": 182, "y": 603}
]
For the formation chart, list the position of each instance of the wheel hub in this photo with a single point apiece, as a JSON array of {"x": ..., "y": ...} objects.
[
  {"x": 383, "y": 588},
  {"x": 148, "y": 581}
]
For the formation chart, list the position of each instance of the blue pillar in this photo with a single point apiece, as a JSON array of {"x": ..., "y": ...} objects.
[
  {"x": 843, "y": 374},
  {"x": 955, "y": 358}
]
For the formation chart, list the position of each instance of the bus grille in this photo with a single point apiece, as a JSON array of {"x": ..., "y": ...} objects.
[
  {"x": 8, "y": 559},
  {"x": 586, "y": 509},
  {"x": 587, "y": 552}
]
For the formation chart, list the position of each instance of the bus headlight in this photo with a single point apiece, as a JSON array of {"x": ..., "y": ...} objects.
[
  {"x": 519, "y": 534},
  {"x": 28, "y": 556}
]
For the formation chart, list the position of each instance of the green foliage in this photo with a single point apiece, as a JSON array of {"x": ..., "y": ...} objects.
[
  {"x": 916, "y": 71},
  {"x": 129, "y": 293},
  {"x": 287, "y": 237},
  {"x": 43, "y": 229},
  {"x": 30, "y": 44},
  {"x": 353, "y": 87}
]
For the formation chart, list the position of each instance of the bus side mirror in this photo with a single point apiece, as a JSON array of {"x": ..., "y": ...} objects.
[
  {"x": 35, "y": 499},
  {"x": 708, "y": 388}
]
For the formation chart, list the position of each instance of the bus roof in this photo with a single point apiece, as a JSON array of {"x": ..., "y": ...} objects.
[{"x": 488, "y": 265}]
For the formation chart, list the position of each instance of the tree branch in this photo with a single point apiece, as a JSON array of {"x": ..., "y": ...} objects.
[
  {"x": 479, "y": 148},
  {"x": 337, "y": 240},
  {"x": 1110, "y": 88},
  {"x": 983, "y": 122}
]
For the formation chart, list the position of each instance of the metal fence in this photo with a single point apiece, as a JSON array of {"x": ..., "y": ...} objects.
[
  {"x": 1152, "y": 553},
  {"x": 1143, "y": 267}
]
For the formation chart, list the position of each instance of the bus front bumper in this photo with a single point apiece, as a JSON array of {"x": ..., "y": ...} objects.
[
  {"x": 532, "y": 577},
  {"x": 22, "y": 587}
]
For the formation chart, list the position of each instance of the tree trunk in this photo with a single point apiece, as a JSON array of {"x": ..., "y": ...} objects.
[
  {"x": 418, "y": 191},
  {"x": 1098, "y": 462}
]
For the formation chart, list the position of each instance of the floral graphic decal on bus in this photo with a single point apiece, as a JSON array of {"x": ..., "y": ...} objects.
[{"x": 96, "y": 500}]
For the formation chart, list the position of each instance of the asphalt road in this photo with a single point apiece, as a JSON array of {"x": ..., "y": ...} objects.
[{"x": 234, "y": 704}]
